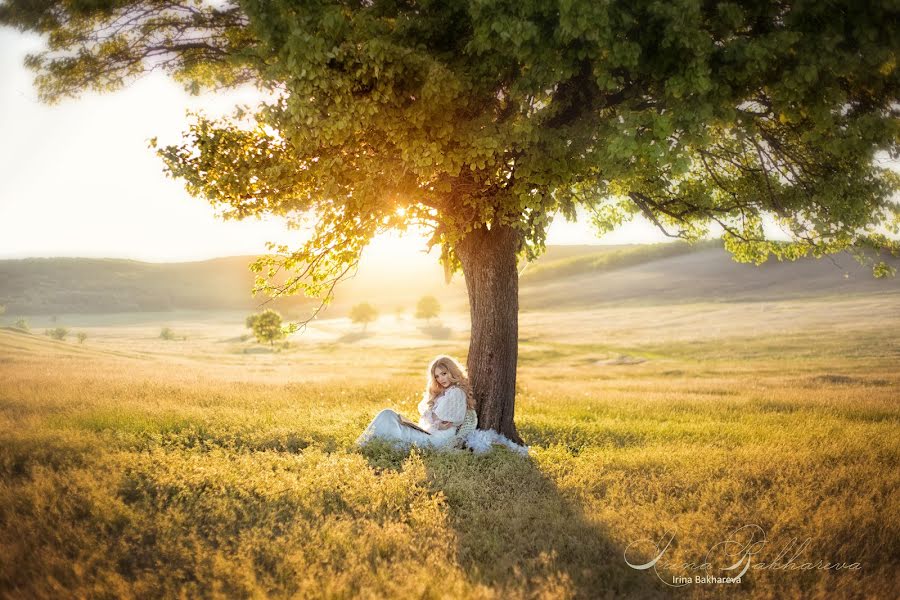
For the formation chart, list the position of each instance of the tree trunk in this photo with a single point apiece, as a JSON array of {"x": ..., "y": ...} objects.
[{"x": 488, "y": 259}]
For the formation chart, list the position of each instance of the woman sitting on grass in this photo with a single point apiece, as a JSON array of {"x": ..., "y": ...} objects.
[{"x": 443, "y": 410}]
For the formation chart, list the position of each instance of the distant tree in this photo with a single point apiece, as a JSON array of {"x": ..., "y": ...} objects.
[
  {"x": 266, "y": 326},
  {"x": 166, "y": 334},
  {"x": 428, "y": 308},
  {"x": 81, "y": 337},
  {"x": 22, "y": 324},
  {"x": 59, "y": 333},
  {"x": 363, "y": 313}
]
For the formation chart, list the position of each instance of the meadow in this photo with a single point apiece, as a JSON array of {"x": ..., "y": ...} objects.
[{"x": 135, "y": 467}]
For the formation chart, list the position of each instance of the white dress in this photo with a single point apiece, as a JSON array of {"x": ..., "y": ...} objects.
[{"x": 449, "y": 406}]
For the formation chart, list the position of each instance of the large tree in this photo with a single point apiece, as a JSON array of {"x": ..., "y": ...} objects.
[{"x": 481, "y": 119}]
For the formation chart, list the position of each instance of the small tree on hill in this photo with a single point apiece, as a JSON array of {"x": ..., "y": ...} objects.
[
  {"x": 81, "y": 337},
  {"x": 58, "y": 333},
  {"x": 428, "y": 308},
  {"x": 266, "y": 326},
  {"x": 22, "y": 324},
  {"x": 166, "y": 333},
  {"x": 363, "y": 313}
]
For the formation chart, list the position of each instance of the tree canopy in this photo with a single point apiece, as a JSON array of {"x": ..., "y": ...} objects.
[
  {"x": 57, "y": 333},
  {"x": 363, "y": 313},
  {"x": 467, "y": 115},
  {"x": 428, "y": 307}
]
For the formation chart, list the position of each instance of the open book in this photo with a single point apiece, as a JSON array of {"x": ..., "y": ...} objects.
[{"x": 408, "y": 423}]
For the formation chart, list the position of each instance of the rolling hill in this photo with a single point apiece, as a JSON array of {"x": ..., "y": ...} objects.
[{"x": 564, "y": 277}]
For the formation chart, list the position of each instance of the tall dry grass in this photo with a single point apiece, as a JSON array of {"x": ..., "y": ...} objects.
[{"x": 124, "y": 476}]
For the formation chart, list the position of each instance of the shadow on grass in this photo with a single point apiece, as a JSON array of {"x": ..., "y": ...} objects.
[
  {"x": 355, "y": 336},
  {"x": 258, "y": 350},
  {"x": 518, "y": 534},
  {"x": 437, "y": 332}
]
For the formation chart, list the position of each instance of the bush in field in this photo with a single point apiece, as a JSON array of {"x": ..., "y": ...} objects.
[
  {"x": 58, "y": 333},
  {"x": 428, "y": 308},
  {"x": 166, "y": 334},
  {"x": 22, "y": 324},
  {"x": 266, "y": 326},
  {"x": 363, "y": 313},
  {"x": 81, "y": 337}
]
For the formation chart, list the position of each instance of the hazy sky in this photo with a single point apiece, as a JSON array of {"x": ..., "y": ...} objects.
[{"x": 79, "y": 180}]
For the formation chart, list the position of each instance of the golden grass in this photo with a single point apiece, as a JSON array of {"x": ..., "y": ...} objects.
[{"x": 129, "y": 475}]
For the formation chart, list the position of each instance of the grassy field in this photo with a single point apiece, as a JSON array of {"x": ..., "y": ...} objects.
[{"x": 133, "y": 467}]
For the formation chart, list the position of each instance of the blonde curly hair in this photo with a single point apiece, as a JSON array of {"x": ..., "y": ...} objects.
[{"x": 433, "y": 389}]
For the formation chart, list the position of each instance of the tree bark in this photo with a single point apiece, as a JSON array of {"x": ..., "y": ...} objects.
[{"x": 488, "y": 259}]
